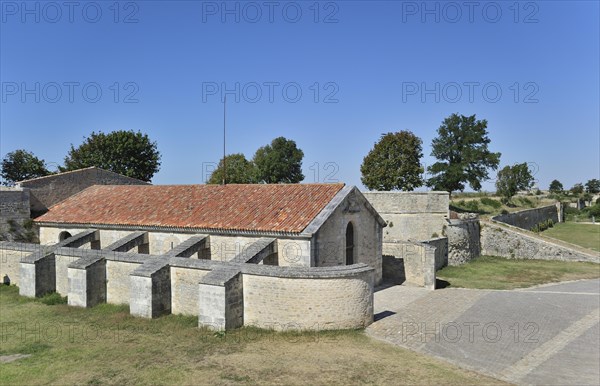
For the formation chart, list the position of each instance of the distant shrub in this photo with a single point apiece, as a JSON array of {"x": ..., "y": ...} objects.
[
  {"x": 490, "y": 202},
  {"x": 472, "y": 206},
  {"x": 504, "y": 211},
  {"x": 53, "y": 298},
  {"x": 526, "y": 201}
]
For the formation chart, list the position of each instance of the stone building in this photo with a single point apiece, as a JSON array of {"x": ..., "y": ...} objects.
[
  {"x": 301, "y": 225},
  {"x": 50, "y": 190}
]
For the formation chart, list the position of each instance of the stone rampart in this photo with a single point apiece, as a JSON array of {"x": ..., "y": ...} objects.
[
  {"x": 507, "y": 241},
  {"x": 527, "y": 219}
]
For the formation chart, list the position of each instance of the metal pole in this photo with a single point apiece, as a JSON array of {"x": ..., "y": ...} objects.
[{"x": 224, "y": 160}]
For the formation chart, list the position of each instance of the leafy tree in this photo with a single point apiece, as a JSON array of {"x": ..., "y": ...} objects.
[
  {"x": 592, "y": 186},
  {"x": 22, "y": 165},
  {"x": 577, "y": 188},
  {"x": 556, "y": 187},
  {"x": 462, "y": 150},
  {"x": 279, "y": 162},
  {"x": 125, "y": 152},
  {"x": 511, "y": 179},
  {"x": 239, "y": 171},
  {"x": 394, "y": 163}
]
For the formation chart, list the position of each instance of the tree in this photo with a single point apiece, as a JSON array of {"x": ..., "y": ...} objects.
[
  {"x": 592, "y": 186},
  {"x": 22, "y": 165},
  {"x": 125, "y": 152},
  {"x": 577, "y": 188},
  {"x": 511, "y": 179},
  {"x": 556, "y": 187},
  {"x": 239, "y": 171},
  {"x": 394, "y": 163},
  {"x": 462, "y": 150},
  {"x": 279, "y": 162}
]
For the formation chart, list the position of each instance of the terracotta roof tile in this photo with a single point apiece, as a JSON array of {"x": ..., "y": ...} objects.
[{"x": 269, "y": 208}]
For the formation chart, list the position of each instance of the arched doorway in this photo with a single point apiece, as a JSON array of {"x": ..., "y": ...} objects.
[
  {"x": 63, "y": 236},
  {"x": 349, "y": 244}
]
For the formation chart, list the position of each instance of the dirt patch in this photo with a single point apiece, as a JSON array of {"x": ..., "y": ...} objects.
[{"x": 12, "y": 358}]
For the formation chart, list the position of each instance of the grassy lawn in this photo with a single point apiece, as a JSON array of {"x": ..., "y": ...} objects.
[
  {"x": 499, "y": 273},
  {"x": 585, "y": 235},
  {"x": 105, "y": 345}
]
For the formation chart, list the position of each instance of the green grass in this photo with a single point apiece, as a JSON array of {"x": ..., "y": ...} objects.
[
  {"x": 584, "y": 235},
  {"x": 105, "y": 345},
  {"x": 499, "y": 273}
]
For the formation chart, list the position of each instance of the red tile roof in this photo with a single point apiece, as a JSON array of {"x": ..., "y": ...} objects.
[{"x": 270, "y": 208}]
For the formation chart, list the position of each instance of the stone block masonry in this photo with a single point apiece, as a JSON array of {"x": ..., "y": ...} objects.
[
  {"x": 411, "y": 215},
  {"x": 87, "y": 282},
  {"x": 221, "y": 299},
  {"x": 223, "y": 295}
]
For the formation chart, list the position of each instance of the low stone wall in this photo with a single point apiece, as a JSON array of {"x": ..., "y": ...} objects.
[
  {"x": 418, "y": 263},
  {"x": 515, "y": 243},
  {"x": 527, "y": 219},
  {"x": 441, "y": 251},
  {"x": 308, "y": 299},
  {"x": 234, "y": 294},
  {"x": 463, "y": 240},
  {"x": 10, "y": 258}
]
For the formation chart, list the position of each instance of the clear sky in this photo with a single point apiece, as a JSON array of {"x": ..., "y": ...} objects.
[{"x": 333, "y": 76}]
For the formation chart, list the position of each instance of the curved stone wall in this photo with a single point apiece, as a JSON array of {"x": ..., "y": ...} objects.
[{"x": 323, "y": 299}]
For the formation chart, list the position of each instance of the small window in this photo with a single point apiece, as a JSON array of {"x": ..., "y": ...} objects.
[{"x": 349, "y": 244}]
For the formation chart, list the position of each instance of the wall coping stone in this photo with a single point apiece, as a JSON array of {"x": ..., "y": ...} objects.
[
  {"x": 85, "y": 262},
  {"x": 150, "y": 267},
  {"x": 192, "y": 244},
  {"x": 219, "y": 277},
  {"x": 132, "y": 239}
]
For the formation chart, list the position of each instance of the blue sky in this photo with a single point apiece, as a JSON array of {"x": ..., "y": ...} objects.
[{"x": 333, "y": 76}]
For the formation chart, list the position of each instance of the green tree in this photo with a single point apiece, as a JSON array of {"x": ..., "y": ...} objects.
[
  {"x": 592, "y": 186},
  {"x": 22, "y": 165},
  {"x": 577, "y": 188},
  {"x": 556, "y": 187},
  {"x": 239, "y": 171},
  {"x": 125, "y": 152},
  {"x": 279, "y": 162},
  {"x": 394, "y": 163},
  {"x": 511, "y": 179},
  {"x": 461, "y": 148}
]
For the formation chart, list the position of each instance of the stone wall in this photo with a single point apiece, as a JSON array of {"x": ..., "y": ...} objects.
[
  {"x": 411, "y": 262},
  {"x": 10, "y": 257},
  {"x": 411, "y": 215},
  {"x": 260, "y": 295},
  {"x": 463, "y": 240},
  {"x": 527, "y": 219},
  {"x": 15, "y": 215},
  {"x": 118, "y": 281},
  {"x": 184, "y": 289},
  {"x": 309, "y": 302},
  {"x": 441, "y": 251},
  {"x": 50, "y": 190},
  {"x": 515, "y": 243}
]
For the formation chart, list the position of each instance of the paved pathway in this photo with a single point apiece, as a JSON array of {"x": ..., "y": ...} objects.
[{"x": 544, "y": 335}]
